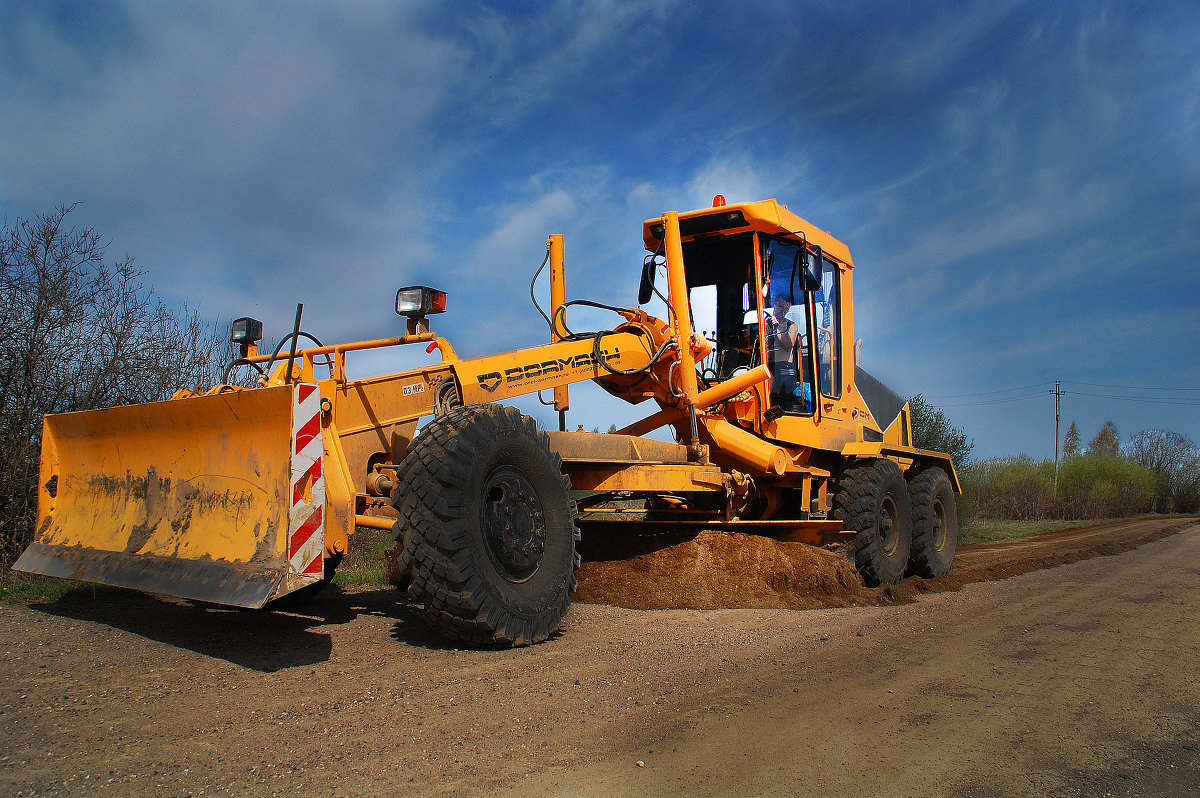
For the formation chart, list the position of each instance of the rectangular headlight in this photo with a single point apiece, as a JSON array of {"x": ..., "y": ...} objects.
[
  {"x": 246, "y": 331},
  {"x": 417, "y": 301}
]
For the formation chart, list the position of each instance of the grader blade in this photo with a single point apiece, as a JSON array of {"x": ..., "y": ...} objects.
[{"x": 216, "y": 498}]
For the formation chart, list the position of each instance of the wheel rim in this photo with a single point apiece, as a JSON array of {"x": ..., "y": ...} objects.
[
  {"x": 939, "y": 525},
  {"x": 886, "y": 524},
  {"x": 514, "y": 524}
]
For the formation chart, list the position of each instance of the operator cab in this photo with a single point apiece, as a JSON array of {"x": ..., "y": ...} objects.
[
  {"x": 759, "y": 300},
  {"x": 723, "y": 296}
]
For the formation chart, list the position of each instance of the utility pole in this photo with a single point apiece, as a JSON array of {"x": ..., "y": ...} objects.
[{"x": 1058, "y": 392}]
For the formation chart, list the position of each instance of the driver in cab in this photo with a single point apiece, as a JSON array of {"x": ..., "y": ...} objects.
[{"x": 783, "y": 337}]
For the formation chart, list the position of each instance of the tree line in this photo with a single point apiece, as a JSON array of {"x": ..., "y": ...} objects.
[
  {"x": 79, "y": 332},
  {"x": 1154, "y": 471}
]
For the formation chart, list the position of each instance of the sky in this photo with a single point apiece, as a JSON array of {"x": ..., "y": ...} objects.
[{"x": 1018, "y": 182}]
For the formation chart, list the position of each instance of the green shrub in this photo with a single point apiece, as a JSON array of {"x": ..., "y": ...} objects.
[
  {"x": 1010, "y": 487},
  {"x": 1089, "y": 487},
  {"x": 1104, "y": 487}
]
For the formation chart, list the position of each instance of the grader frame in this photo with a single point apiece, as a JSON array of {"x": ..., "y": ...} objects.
[{"x": 248, "y": 496}]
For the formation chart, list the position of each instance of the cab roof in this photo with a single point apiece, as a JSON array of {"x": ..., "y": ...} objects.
[{"x": 765, "y": 216}]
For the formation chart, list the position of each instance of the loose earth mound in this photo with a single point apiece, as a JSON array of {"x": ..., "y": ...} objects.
[
  {"x": 726, "y": 570},
  {"x": 715, "y": 570}
]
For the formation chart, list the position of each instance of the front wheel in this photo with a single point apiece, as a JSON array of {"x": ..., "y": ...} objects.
[
  {"x": 872, "y": 500},
  {"x": 488, "y": 526}
]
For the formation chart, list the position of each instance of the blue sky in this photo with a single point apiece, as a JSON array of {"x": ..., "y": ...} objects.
[{"x": 1019, "y": 183}]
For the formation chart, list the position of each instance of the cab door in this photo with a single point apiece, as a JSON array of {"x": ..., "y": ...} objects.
[{"x": 802, "y": 344}]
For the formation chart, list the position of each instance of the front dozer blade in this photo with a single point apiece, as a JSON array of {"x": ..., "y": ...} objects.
[{"x": 216, "y": 498}]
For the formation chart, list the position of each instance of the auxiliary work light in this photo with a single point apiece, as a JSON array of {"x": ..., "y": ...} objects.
[
  {"x": 246, "y": 332},
  {"x": 417, "y": 301}
]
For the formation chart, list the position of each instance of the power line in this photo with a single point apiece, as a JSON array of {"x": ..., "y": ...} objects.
[
  {"x": 986, "y": 393},
  {"x": 1155, "y": 400},
  {"x": 1187, "y": 401},
  {"x": 1003, "y": 401},
  {"x": 1128, "y": 387}
]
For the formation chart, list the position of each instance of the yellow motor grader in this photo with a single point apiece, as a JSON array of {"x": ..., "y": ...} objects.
[{"x": 247, "y": 496}]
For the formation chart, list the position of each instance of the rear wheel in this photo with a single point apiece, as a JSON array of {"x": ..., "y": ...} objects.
[
  {"x": 488, "y": 526},
  {"x": 934, "y": 523},
  {"x": 872, "y": 500}
]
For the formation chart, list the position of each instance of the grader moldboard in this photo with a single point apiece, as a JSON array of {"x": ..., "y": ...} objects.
[{"x": 247, "y": 496}]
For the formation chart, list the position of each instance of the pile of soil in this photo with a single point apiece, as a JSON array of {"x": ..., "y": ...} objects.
[
  {"x": 708, "y": 570},
  {"x": 715, "y": 570},
  {"x": 727, "y": 570}
]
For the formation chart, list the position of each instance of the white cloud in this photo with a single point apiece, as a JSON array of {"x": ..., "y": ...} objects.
[{"x": 271, "y": 151}]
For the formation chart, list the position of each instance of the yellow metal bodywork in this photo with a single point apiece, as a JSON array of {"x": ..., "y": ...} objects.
[
  {"x": 130, "y": 493},
  {"x": 598, "y": 461},
  {"x": 558, "y": 296},
  {"x": 191, "y": 497},
  {"x": 496, "y": 377}
]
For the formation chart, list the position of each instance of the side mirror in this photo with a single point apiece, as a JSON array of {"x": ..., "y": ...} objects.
[
  {"x": 646, "y": 289},
  {"x": 810, "y": 272}
]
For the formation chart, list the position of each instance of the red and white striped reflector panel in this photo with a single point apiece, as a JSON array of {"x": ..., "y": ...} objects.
[{"x": 306, "y": 527}]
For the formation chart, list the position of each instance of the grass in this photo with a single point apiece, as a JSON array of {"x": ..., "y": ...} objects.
[
  {"x": 992, "y": 530},
  {"x": 364, "y": 565},
  {"x": 18, "y": 588}
]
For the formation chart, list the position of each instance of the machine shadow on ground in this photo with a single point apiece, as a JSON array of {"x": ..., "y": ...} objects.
[{"x": 261, "y": 640}]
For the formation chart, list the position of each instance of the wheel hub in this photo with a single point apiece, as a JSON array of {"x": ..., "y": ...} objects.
[
  {"x": 887, "y": 526},
  {"x": 514, "y": 525}
]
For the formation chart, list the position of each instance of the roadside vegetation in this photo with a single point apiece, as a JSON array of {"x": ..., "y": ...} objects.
[
  {"x": 365, "y": 563},
  {"x": 1155, "y": 471},
  {"x": 994, "y": 530}
]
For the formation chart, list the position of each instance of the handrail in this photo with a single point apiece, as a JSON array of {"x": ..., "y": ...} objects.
[
  {"x": 354, "y": 346},
  {"x": 339, "y": 351}
]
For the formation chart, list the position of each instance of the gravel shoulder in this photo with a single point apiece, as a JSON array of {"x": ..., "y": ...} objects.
[{"x": 1010, "y": 676}]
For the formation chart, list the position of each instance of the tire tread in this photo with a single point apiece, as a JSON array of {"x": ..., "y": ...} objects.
[
  {"x": 430, "y": 500},
  {"x": 926, "y": 560},
  {"x": 859, "y": 491}
]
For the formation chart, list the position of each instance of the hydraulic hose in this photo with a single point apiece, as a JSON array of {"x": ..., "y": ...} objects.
[{"x": 631, "y": 372}]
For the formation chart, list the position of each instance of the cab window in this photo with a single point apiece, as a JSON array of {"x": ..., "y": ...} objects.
[
  {"x": 787, "y": 326},
  {"x": 827, "y": 312},
  {"x": 724, "y": 303}
]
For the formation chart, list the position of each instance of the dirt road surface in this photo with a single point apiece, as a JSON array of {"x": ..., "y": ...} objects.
[{"x": 1079, "y": 679}]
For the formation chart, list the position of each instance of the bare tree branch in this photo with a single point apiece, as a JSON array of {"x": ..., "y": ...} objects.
[{"x": 77, "y": 333}]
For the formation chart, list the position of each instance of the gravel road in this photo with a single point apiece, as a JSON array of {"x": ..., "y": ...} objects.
[{"x": 1049, "y": 679}]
